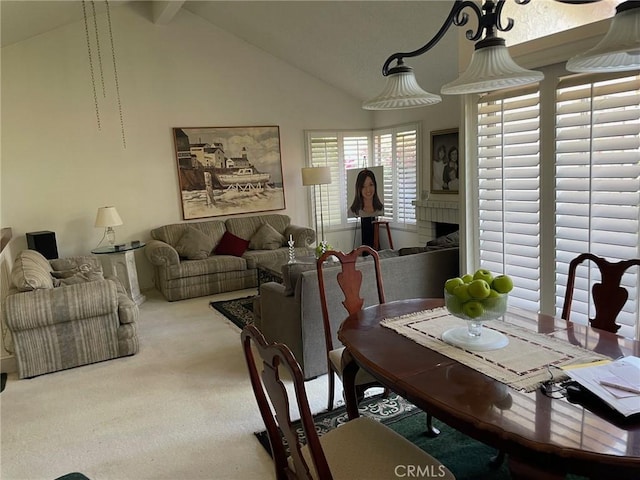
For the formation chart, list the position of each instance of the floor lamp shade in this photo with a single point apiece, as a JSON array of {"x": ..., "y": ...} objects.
[
  {"x": 316, "y": 176},
  {"x": 312, "y": 176}
]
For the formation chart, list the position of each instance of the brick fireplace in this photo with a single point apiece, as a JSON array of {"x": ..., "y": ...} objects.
[{"x": 435, "y": 218}]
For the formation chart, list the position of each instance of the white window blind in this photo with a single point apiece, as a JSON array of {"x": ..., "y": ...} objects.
[
  {"x": 509, "y": 190},
  {"x": 324, "y": 151},
  {"x": 598, "y": 186},
  {"x": 396, "y": 149}
]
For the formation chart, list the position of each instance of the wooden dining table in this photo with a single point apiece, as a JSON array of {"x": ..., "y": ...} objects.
[{"x": 542, "y": 437}]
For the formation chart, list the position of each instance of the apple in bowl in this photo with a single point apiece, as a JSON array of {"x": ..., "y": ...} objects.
[{"x": 478, "y": 297}]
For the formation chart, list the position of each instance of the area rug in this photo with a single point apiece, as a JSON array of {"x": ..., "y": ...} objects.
[
  {"x": 238, "y": 310},
  {"x": 466, "y": 458}
]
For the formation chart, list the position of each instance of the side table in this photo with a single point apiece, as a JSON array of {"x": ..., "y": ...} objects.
[{"x": 121, "y": 262}]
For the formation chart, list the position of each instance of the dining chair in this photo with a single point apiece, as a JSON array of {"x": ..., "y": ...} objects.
[
  {"x": 360, "y": 448},
  {"x": 350, "y": 282},
  {"x": 608, "y": 296}
]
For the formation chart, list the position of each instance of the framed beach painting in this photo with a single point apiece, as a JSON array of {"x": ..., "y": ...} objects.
[
  {"x": 228, "y": 170},
  {"x": 444, "y": 161}
]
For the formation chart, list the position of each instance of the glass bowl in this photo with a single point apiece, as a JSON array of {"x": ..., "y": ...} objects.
[{"x": 490, "y": 308}]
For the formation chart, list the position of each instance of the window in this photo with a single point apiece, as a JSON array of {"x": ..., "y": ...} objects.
[
  {"x": 597, "y": 183},
  {"x": 396, "y": 149},
  {"x": 535, "y": 215}
]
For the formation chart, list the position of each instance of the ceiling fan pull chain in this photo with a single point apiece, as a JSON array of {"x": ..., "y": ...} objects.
[
  {"x": 93, "y": 79},
  {"x": 115, "y": 75},
  {"x": 95, "y": 25}
]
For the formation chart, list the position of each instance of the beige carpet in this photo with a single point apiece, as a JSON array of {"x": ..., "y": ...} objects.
[{"x": 182, "y": 408}]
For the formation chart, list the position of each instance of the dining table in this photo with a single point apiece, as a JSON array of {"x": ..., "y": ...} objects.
[{"x": 541, "y": 432}]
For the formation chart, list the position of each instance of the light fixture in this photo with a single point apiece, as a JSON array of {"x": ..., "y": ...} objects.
[
  {"x": 317, "y": 176},
  {"x": 619, "y": 49},
  {"x": 492, "y": 68},
  {"x": 108, "y": 218}
]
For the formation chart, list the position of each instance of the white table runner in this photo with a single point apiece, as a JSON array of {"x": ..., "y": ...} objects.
[{"x": 523, "y": 364}]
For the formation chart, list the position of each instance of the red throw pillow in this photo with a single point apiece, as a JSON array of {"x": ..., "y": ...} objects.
[{"x": 231, "y": 245}]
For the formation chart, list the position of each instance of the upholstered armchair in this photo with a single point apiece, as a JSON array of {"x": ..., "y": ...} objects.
[{"x": 65, "y": 313}]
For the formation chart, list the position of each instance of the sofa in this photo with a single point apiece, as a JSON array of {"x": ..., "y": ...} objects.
[
  {"x": 204, "y": 258},
  {"x": 290, "y": 312},
  {"x": 64, "y": 313}
]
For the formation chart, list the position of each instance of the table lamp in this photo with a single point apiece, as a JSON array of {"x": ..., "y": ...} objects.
[{"x": 108, "y": 218}]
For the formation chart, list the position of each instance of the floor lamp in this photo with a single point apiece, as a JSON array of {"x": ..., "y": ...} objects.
[{"x": 317, "y": 176}]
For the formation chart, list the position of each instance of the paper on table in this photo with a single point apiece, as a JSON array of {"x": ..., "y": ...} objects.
[{"x": 623, "y": 372}]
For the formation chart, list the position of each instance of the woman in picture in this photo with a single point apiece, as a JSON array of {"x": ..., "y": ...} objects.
[
  {"x": 366, "y": 202},
  {"x": 450, "y": 172},
  {"x": 438, "y": 167}
]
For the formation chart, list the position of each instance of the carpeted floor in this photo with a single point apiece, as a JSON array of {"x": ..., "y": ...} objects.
[
  {"x": 239, "y": 310},
  {"x": 409, "y": 421}
]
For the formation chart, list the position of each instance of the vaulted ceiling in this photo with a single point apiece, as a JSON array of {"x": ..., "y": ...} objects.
[{"x": 343, "y": 43}]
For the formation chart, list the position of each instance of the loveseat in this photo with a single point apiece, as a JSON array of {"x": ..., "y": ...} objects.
[
  {"x": 204, "y": 258},
  {"x": 64, "y": 313},
  {"x": 290, "y": 312}
]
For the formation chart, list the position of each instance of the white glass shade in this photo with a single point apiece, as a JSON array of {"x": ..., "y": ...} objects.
[
  {"x": 491, "y": 68},
  {"x": 108, "y": 217},
  {"x": 619, "y": 49},
  {"x": 316, "y": 176},
  {"x": 401, "y": 91}
]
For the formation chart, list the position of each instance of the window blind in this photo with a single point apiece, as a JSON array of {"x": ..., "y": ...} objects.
[
  {"x": 597, "y": 186},
  {"x": 509, "y": 190},
  {"x": 324, "y": 151}
]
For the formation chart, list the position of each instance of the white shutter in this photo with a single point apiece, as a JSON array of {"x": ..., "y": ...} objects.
[
  {"x": 509, "y": 191},
  {"x": 324, "y": 152},
  {"x": 397, "y": 151},
  {"x": 598, "y": 186}
]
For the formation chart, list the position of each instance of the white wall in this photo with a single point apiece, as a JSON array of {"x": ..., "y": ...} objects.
[{"x": 57, "y": 168}]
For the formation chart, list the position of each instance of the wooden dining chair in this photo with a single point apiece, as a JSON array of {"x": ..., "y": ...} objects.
[
  {"x": 608, "y": 296},
  {"x": 360, "y": 448},
  {"x": 350, "y": 282}
]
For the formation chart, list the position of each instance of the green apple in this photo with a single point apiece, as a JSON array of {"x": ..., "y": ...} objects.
[
  {"x": 479, "y": 289},
  {"x": 502, "y": 284},
  {"x": 492, "y": 301},
  {"x": 462, "y": 292},
  {"x": 454, "y": 305},
  {"x": 483, "y": 274},
  {"x": 473, "y": 309},
  {"x": 452, "y": 283},
  {"x": 467, "y": 278}
]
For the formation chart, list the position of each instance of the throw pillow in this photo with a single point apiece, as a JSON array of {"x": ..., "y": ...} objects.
[
  {"x": 231, "y": 245},
  {"x": 451, "y": 240},
  {"x": 266, "y": 238},
  {"x": 31, "y": 271},
  {"x": 194, "y": 245}
]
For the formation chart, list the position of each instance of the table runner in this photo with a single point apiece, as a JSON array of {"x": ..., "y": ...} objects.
[{"x": 523, "y": 364}]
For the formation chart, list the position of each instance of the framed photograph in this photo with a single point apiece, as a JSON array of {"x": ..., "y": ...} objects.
[
  {"x": 444, "y": 161},
  {"x": 229, "y": 170}
]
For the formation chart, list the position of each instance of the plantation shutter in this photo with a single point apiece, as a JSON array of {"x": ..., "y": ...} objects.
[
  {"x": 324, "y": 151},
  {"x": 509, "y": 190},
  {"x": 598, "y": 186},
  {"x": 396, "y": 150}
]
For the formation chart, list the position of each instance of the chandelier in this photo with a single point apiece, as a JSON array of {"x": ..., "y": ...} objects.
[{"x": 492, "y": 68}]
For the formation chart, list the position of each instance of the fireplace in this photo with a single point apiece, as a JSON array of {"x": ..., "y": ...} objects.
[{"x": 436, "y": 218}]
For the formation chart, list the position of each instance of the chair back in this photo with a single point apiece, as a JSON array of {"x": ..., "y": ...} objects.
[
  {"x": 608, "y": 296},
  {"x": 350, "y": 282},
  {"x": 268, "y": 386}
]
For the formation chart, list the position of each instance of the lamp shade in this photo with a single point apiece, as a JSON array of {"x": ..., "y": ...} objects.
[
  {"x": 401, "y": 91},
  {"x": 491, "y": 68},
  {"x": 316, "y": 176},
  {"x": 108, "y": 217},
  {"x": 619, "y": 49}
]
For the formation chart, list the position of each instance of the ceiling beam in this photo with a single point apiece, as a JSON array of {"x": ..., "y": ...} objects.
[{"x": 164, "y": 11}]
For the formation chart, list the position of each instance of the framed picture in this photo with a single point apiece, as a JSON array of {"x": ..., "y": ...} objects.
[
  {"x": 444, "y": 161},
  {"x": 229, "y": 170}
]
